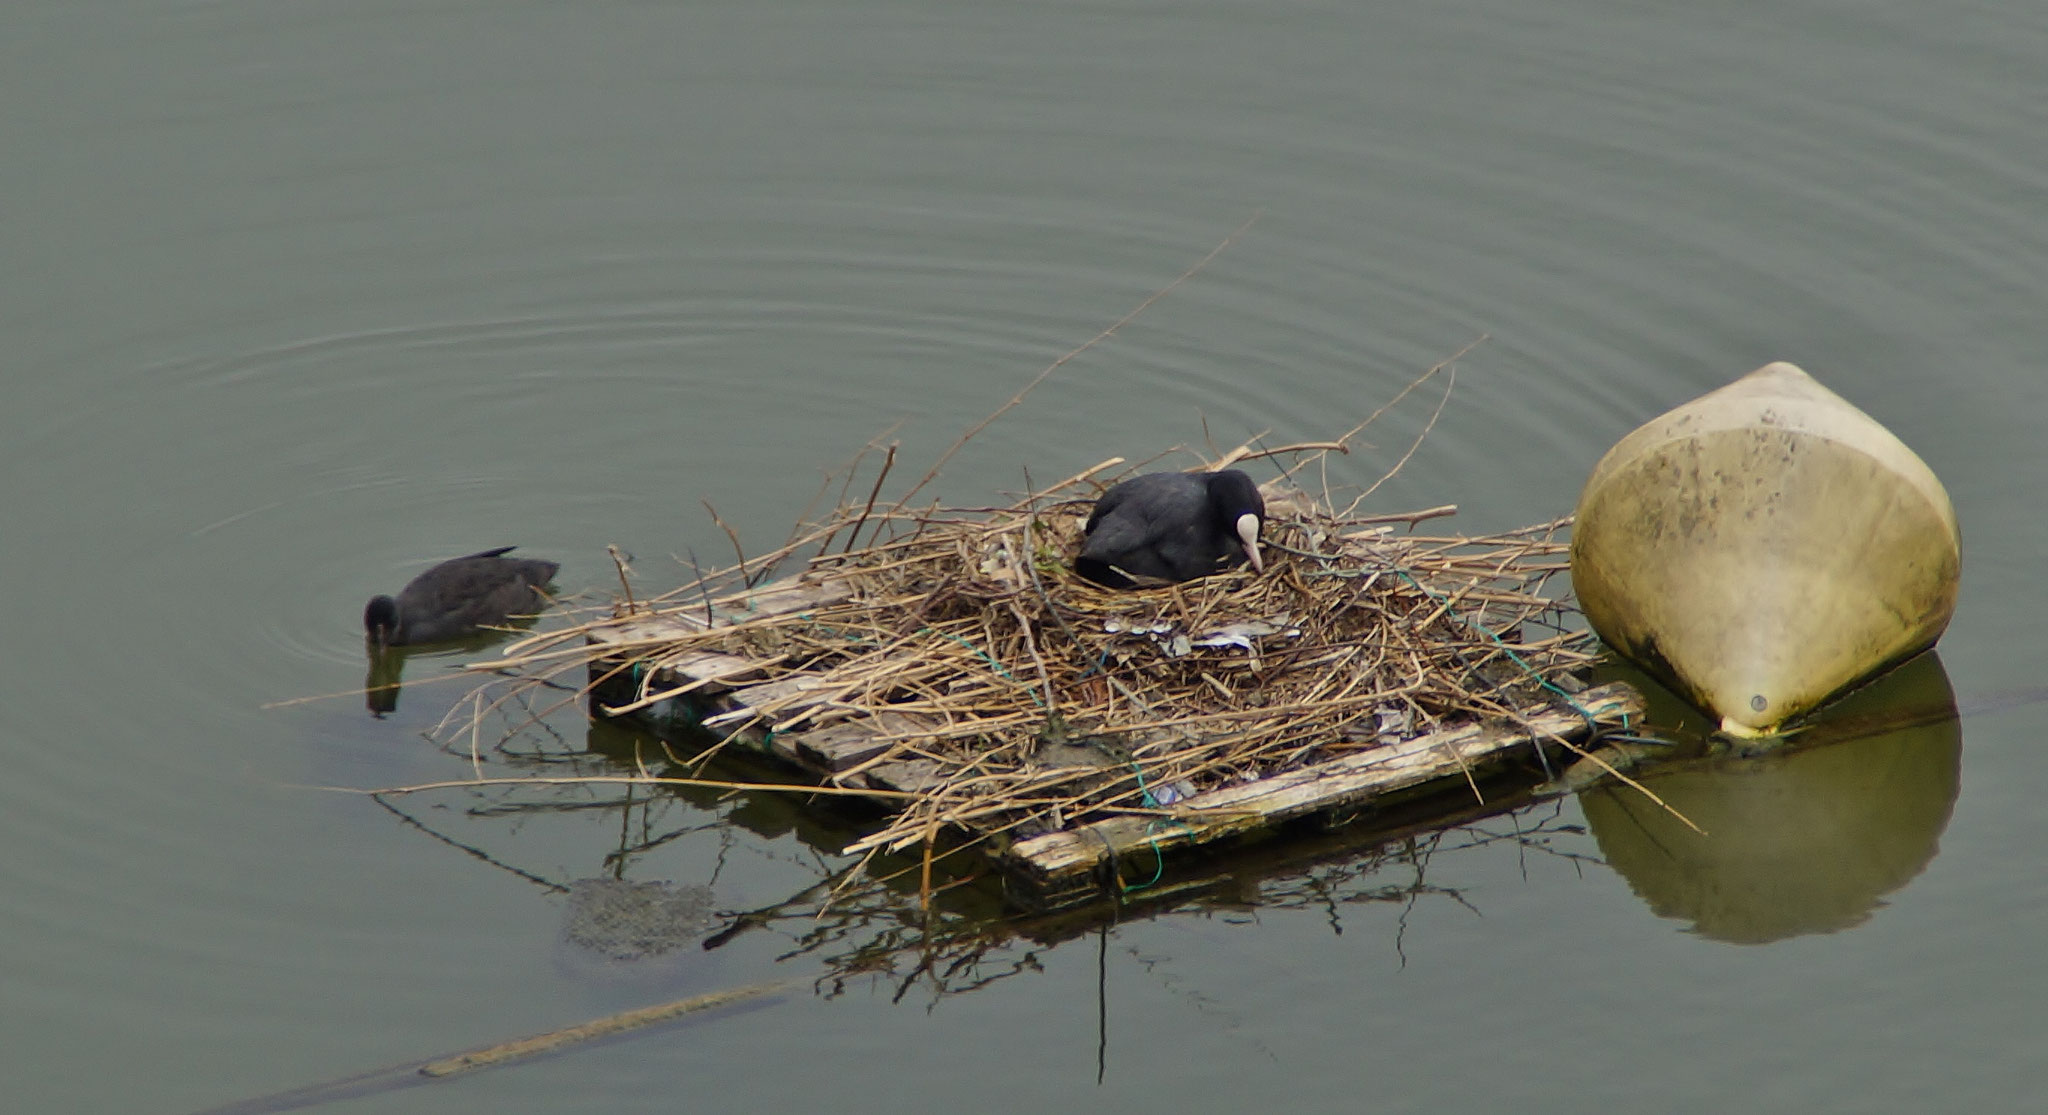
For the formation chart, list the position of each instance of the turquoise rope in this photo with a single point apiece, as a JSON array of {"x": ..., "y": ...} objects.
[
  {"x": 993, "y": 665},
  {"x": 1158, "y": 859},
  {"x": 1151, "y": 835}
]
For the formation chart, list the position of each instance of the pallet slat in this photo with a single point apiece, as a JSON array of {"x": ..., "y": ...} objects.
[
  {"x": 776, "y": 598},
  {"x": 849, "y": 743},
  {"x": 1337, "y": 784}
]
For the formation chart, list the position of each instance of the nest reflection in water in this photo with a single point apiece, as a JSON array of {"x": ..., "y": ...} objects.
[{"x": 876, "y": 923}]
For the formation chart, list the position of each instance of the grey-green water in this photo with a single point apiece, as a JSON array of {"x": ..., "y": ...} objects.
[{"x": 299, "y": 296}]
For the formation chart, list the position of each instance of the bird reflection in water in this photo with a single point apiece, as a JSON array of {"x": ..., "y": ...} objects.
[
  {"x": 456, "y": 602},
  {"x": 387, "y": 673}
]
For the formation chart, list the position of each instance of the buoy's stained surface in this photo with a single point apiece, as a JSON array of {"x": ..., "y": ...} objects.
[{"x": 1765, "y": 547}]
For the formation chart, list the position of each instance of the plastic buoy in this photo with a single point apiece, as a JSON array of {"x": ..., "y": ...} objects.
[{"x": 1765, "y": 547}]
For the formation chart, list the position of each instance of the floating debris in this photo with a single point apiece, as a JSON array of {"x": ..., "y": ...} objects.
[{"x": 624, "y": 922}]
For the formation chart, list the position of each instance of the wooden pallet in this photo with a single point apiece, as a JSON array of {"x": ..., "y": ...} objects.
[{"x": 1059, "y": 868}]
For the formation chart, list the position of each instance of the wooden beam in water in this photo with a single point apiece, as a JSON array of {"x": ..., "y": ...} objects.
[
  {"x": 849, "y": 743},
  {"x": 1051, "y": 862},
  {"x": 1061, "y": 866},
  {"x": 774, "y": 703},
  {"x": 776, "y": 598},
  {"x": 911, "y": 776},
  {"x": 787, "y": 596},
  {"x": 711, "y": 673}
]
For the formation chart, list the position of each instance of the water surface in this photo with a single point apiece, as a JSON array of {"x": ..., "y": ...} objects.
[{"x": 300, "y": 297}]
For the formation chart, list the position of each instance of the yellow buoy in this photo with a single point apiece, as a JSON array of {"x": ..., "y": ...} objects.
[{"x": 1764, "y": 547}]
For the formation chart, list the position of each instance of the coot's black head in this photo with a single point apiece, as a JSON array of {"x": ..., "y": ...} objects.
[
  {"x": 380, "y": 619},
  {"x": 1239, "y": 506}
]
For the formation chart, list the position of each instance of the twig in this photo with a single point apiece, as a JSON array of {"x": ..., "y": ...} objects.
[
  {"x": 1450, "y": 381},
  {"x": 620, "y": 780},
  {"x": 1018, "y": 398},
  {"x": 853, "y": 534},
  {"x": 619, "y": 563},
  {"x": 738, "y": 553}
]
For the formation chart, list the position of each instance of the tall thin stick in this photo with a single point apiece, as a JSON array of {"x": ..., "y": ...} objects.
[
  {"x": 1018, "y": 398},
  {"x": 888, "y": 463},
  {"x": 745, "y": 578},
  {"x": 1450, "y": 381},
  {"x": 619, "y": 563}
]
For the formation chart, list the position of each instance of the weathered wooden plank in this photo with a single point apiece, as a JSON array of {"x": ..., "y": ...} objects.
[
  {"x": 698, "y": 674},
  {"x": 783, "y": 597},
  {"x": 1051, "y": 859},
  {"x": 710, "y": 666},
  {"x": 777, "y": 598},
  {"x": 707, "y": 673},
  {"x": 849, "y": 743},
  {"x": 913, "y": 776},
  {"x": 775, "y": 702},
  {"x": 647, "y": 630},
  {"x": 763, "y": 739}
]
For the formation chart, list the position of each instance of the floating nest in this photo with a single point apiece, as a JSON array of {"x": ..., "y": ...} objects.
[{"x": 1002, "y": 696}]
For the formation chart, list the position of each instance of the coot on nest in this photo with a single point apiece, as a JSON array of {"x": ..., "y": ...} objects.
[{"x": 1172, "y": 526}]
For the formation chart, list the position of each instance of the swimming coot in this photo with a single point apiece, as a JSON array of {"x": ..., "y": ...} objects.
[
  {"x": 1172, "y": 526},
  {"x": 455, "y": 598}
]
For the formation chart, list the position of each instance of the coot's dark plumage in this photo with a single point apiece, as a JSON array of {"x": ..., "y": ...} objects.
[
  {"x": 453, "y": 599},
  {"x": 1172, "y": 526}
]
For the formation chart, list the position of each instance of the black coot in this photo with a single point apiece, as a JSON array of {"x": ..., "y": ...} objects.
[
  {"x": 453, "y": 599},
  {"x": 1172, "y": 526}
]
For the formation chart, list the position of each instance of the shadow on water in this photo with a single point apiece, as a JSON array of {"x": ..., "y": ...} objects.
[{"x": 1806, "y": 837}]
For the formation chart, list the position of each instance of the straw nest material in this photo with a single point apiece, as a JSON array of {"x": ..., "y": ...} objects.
[{"x": 1027, "y": 699}]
